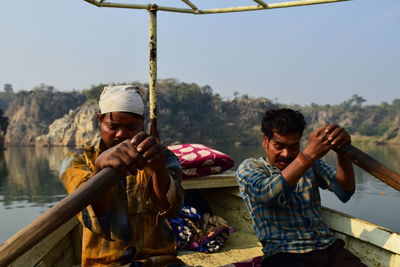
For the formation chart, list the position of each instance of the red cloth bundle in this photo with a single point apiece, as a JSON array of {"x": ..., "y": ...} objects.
[{"x": 200, "y": 160}]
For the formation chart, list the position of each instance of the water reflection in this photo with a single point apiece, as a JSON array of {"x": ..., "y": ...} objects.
[
  {"x": 31, "y": 175},
  {"x": 28, "y": 185}
]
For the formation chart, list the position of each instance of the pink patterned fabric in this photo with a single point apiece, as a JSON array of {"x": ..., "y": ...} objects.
[{"x": 199, "y": 160}]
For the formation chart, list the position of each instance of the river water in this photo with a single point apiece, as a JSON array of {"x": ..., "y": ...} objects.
[{"x": 29, "y": 185}]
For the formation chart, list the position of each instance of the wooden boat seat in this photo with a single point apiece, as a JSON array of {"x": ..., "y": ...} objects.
[{"x": 210, "y": 181}]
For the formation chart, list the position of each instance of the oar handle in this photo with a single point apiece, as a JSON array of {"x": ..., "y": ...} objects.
[
  {"x": 56, "y": 216},
  {"x": 371, "y": 165}
]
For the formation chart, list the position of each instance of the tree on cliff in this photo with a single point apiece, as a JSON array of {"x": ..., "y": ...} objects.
[
  {"x": 94, "y": 92},
  {"x": 8, "y": 88}
]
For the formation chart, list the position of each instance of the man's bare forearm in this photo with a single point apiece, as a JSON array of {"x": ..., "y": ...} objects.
[
  {"x": 295, "y": 170},
  {"x": 345, "y": 173}
]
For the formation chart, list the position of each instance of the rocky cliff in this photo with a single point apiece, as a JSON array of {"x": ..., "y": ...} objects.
[
  {"x": 30, "y": 114},
  {"x": 187, "y": 113},
  {"x": 77, "y": 128}
]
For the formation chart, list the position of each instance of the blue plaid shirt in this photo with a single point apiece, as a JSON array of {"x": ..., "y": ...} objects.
[{"x": 288, "y": 219}]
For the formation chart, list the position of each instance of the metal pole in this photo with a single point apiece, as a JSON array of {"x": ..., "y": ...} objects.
[{"x": 153, "y": 71}]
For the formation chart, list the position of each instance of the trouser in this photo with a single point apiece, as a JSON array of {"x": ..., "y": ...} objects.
[{"x": 333, "y": 256}]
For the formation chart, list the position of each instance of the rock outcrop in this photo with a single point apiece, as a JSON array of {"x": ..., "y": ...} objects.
[
  {"x": 77, "y": 128},
  {"x": 30, "y": 114},
  {"x": 187, "y": 113}
]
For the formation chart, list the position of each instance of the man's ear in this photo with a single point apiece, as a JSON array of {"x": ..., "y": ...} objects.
[{"x": 265, "y": 141}]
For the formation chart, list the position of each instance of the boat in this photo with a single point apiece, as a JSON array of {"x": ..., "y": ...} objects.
[
  {"x": 54, "y": 239},
  {"x": 373, "y": 244}
]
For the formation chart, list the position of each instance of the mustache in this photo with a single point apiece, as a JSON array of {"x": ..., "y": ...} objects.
[{"x": 284, "y": 160}]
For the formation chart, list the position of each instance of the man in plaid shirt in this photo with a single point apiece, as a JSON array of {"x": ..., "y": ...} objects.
[{"x": 281, "y": 190}]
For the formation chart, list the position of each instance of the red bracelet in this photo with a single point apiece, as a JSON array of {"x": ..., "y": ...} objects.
[{"x": 304, "y": 160}]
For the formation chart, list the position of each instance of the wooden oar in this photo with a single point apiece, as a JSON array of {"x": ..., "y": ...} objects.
[
  {"x": 56, "y": 216},
  {"x": 371, "y": 165}
]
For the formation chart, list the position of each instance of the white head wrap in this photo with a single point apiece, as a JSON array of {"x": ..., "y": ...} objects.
[{"x": 122, "y": 98}]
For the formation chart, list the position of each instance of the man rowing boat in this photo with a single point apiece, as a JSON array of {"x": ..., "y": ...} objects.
[
  {"x": 127, "y": 225},
  {"x": 281, "y": 191}
]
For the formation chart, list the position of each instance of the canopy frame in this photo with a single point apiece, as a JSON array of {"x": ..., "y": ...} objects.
[{"x": 192, "y": 9}]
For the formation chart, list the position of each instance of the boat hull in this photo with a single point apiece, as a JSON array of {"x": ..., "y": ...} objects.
[{"x": 374, "y": 245}]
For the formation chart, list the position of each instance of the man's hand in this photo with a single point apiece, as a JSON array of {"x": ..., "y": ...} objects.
[
  {"x": 122, "y": 157},
  {"x": 130, "y": 155},
  {"x": 338, "y": 136},
  {"x": 320, "y": 142},
  {"x": 325, "y": 138},
  {"x": 152, "y": 155},
  {"x": 151, "y": 152}
]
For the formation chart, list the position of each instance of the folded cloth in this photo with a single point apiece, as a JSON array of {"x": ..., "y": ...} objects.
[
  {"x": 200, "y": 160},
  {"x": 206, "y": 233}
]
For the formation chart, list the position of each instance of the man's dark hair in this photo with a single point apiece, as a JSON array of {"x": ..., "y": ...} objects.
[{"x": 282, "y": 121}]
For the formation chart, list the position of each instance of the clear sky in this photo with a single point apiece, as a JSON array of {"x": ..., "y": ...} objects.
[{"x": 322, "y": 53}]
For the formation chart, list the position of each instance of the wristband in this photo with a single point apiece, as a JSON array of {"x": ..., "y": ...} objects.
[{"x": 304, "y": 160}]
